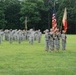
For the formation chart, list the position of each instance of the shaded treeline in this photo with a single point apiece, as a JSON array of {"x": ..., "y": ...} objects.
[{"x": 38, "y": 13}]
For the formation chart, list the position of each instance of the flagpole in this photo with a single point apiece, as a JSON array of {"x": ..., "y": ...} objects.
[
  {"x": 61, "y": 27},
  {"x": 26, "y": 23}
]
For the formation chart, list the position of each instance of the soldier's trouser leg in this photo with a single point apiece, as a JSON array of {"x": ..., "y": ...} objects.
[
  {"x": 19, "y": 40},
  {"x": 58, "y": 45},
  {"x": 11, "y": 40},
  {"x": 32, "y": 41},
  {"x": 39, "y": 40},
  {"x": 52, "y": 45},
  {"x": 29, "y": 40},
  {"x": 0, "y": 40},
  {"x": 63, "y": 45},
  {"x": 47, "y": 45}
]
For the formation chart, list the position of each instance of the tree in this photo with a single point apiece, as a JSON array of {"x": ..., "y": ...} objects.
[
  {"x": 38, "y": 13},
  {"x": 30, "y": 10},
  {"x": 12, "y": 14},
  {"x": 2, "y": 15}
]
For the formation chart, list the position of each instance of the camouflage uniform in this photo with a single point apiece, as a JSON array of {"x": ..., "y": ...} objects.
[
  {"x": 57, "y": 40},
  {"x": 63, "y": 36},
  {"x": 52, "y": 41},
  {"x": 47, "y": 40}
]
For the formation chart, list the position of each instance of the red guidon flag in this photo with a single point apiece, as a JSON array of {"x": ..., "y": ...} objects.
[
  {"x": 64, "y": 20},
  {"x": 54, "y": 21}
]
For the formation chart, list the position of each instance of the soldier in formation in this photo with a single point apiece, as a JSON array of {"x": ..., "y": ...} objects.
[
  {"x": 52, "y": 40},
  {"x": 20, "y": 35},
  {"x": 63, "y": 37},
  {"x": 47, "y": 40}
]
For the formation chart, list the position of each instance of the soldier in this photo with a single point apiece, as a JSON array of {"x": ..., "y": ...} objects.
[
  {"x": 39, "y": 36},
  {"x": 1, "y": 35},
  {"x": 47, "y": 40},
  {"x": 19, "y": 34},
  {"x": 32, "y": 36},
  {"x": 28, "y": 35},
  {"x": 25, "y": 35},
  {"x": 15, "y": 35},
  {"x": 63, "y": 36},
  {"x": 36, "y": 35},
  {"x": 57, "y": 40},
  {"x": 51, "y": 40},
  {"x": 54, "y": 39},
  {"x": 22, "y": 35},
  {"x": 11, "y": 36},
  {"x": 6, "y": 35}
]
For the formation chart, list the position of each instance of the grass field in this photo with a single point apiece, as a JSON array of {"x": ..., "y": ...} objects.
[{"x": 26, "y": 59}]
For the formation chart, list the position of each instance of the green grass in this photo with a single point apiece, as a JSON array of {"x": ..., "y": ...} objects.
[{"x": 26, "y": 59}]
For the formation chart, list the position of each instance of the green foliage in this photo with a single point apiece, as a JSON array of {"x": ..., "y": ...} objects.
[
  {"x": 2, "y": 15},
  {"x": 12, "y": 14},
  {"x": 71, "y": 11},
  {"x": 38, "y": 13},
  {"x": 30, "y": 10}
]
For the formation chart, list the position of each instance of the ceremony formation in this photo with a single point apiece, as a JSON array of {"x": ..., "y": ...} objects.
[
  {"x": 53, "y": 40},
  {"x": 20, "y": 35},
  {"x": 37, "y": 37}
]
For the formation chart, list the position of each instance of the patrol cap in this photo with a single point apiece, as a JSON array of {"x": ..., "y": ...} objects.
[
  {"x": 63, "y": 31},
  {"x": 39, "y": 30},
  {"x": 57, "y": 29},
  {"x": 31, "y": 29},
  {"x": 51, "y": 29},
  {"x": 47, "y": 30}
]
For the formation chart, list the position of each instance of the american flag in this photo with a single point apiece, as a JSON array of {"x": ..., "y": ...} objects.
[{"x": 54, "y": 21}]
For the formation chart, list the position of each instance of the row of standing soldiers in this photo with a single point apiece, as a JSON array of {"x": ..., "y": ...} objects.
[
  {"x": 52, "y": 40},
  {"x": 20, "y": 35}
]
